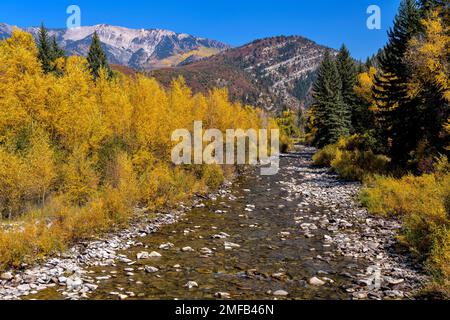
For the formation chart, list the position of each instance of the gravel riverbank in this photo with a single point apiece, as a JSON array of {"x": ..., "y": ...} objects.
[{"x": 300, "y": 234}]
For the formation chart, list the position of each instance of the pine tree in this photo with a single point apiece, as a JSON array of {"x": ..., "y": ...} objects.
[
  {"x": 57, "y": 52},
  {"x": 45, "y": 53},
  {"x": 97, "y": 58},
  {"x": 329, "y": 110},
  {"x": 347, "y": 72},
  {"x": 390, "y": 89},
  {"x": 48, "y": 50}
]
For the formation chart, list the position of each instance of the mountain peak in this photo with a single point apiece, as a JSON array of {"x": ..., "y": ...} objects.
[{"x": 143, "y": 49}]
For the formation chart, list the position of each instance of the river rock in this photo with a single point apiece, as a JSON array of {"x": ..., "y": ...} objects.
[
  {"x": 6, "y": 276},
  {"x": 222, "y": 295},
  {"x": 151, "y": 269},
  {"x": 91, "y": 286},
  {"x": 143, "y": 255},
  {"x": 314, "y": 281},
  {"x": 281, "y": 293},
  {"x": 360, "y": 295},
  {"x": 62, "y": 280},
  {"x": 166, "y": 246},
  {"x": 74, "y": 283},
  {"x": 154, "y": 254},
  {"x": 231, "y": 245},
  {"x": 24, "y": 287},
  {"x": 191, "y": 284},
  {"x": 393, "y": 281},
  {"x": 187, "y": 249},
  {"x": 206, "y": 251},
  {"x": 221, "y": 235}
]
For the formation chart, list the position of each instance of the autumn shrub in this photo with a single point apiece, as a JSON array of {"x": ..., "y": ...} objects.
[
  {"x": 213, "y": 176},
  {"x": 325, "y": 156},
  {"x": 351, "y": 158},
  {"x": 421, "y": 202},
  {"x": 285, "y": 144}
]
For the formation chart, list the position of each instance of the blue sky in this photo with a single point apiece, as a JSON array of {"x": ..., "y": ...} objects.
[{"x": 236, "y": 22}]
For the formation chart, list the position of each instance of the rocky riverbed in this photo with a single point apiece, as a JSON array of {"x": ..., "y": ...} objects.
[{"x": 297, "y": 235}]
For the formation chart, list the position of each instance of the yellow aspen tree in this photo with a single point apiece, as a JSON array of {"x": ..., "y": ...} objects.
[{"x": 40, "y": 166}]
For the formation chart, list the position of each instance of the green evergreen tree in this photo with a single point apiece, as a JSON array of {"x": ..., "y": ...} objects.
[
  {"x": 390, "y": 89},
  {"x": 331, "y": 115},
  {"x": 368, "y": 63},
  {"x": 48, "y": 50},
  {"x": 57, "y": 52},
  {"x": 347, "y": 71},
  {"x": 97, "y": 58},
  {"x": 45, "y": 52}
]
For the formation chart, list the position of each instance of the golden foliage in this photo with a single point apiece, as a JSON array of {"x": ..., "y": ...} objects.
[
  {"x": 428, "y": 56},
  {"x": 364, "y": 87},
  {"x": 423, "y": 203},
  {"x": 80, "y": 155},
  {"x": 351, "y": 159}
]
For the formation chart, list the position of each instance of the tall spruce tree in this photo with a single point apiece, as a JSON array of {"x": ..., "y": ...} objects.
[
  {"x": 331, "y": 115},
  {"x": 347, "y": 71},
  {"x": 390, "y": 89},
  {"x": 48, "y": 50},
  {"x": 57, "y": 52},
  {"x": 97, "y": 58},
  {"x": 45, "y": 52}
]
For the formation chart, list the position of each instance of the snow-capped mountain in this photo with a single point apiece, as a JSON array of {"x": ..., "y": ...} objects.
[{"x": 143, "y": 49}]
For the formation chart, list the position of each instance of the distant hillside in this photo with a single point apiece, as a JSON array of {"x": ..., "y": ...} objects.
[{"x": 274, "y": 73}]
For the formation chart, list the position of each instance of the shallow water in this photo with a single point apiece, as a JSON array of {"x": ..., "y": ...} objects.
[{"x": 267, "y": 260}]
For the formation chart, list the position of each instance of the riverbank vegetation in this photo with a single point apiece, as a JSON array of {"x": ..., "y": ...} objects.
[
  {"x": 81, "y": 146},
  {"x": 386, "y": 123}
]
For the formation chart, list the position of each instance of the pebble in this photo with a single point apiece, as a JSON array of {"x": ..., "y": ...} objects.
[
  {"x": 221, "y": 235},
  {"x": 191, "y": 284},
  {"x": 166, "y": 246},
  {"x": 206, "y": 251},
  {"x": 222, "y": 295},
  {"x": 142, "y": 255},
  {"x": 281, "y": 293},
  {"x": 6, "y": 276},
  {"x": 24, "y": 287},
  {"x": 154, "y": 254},
  {"x": 231, "y": 245},
  {"x": 74, "y": 283},
  {"x": 151, "y": 269},
  {"x": 314, "y": 281}
]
